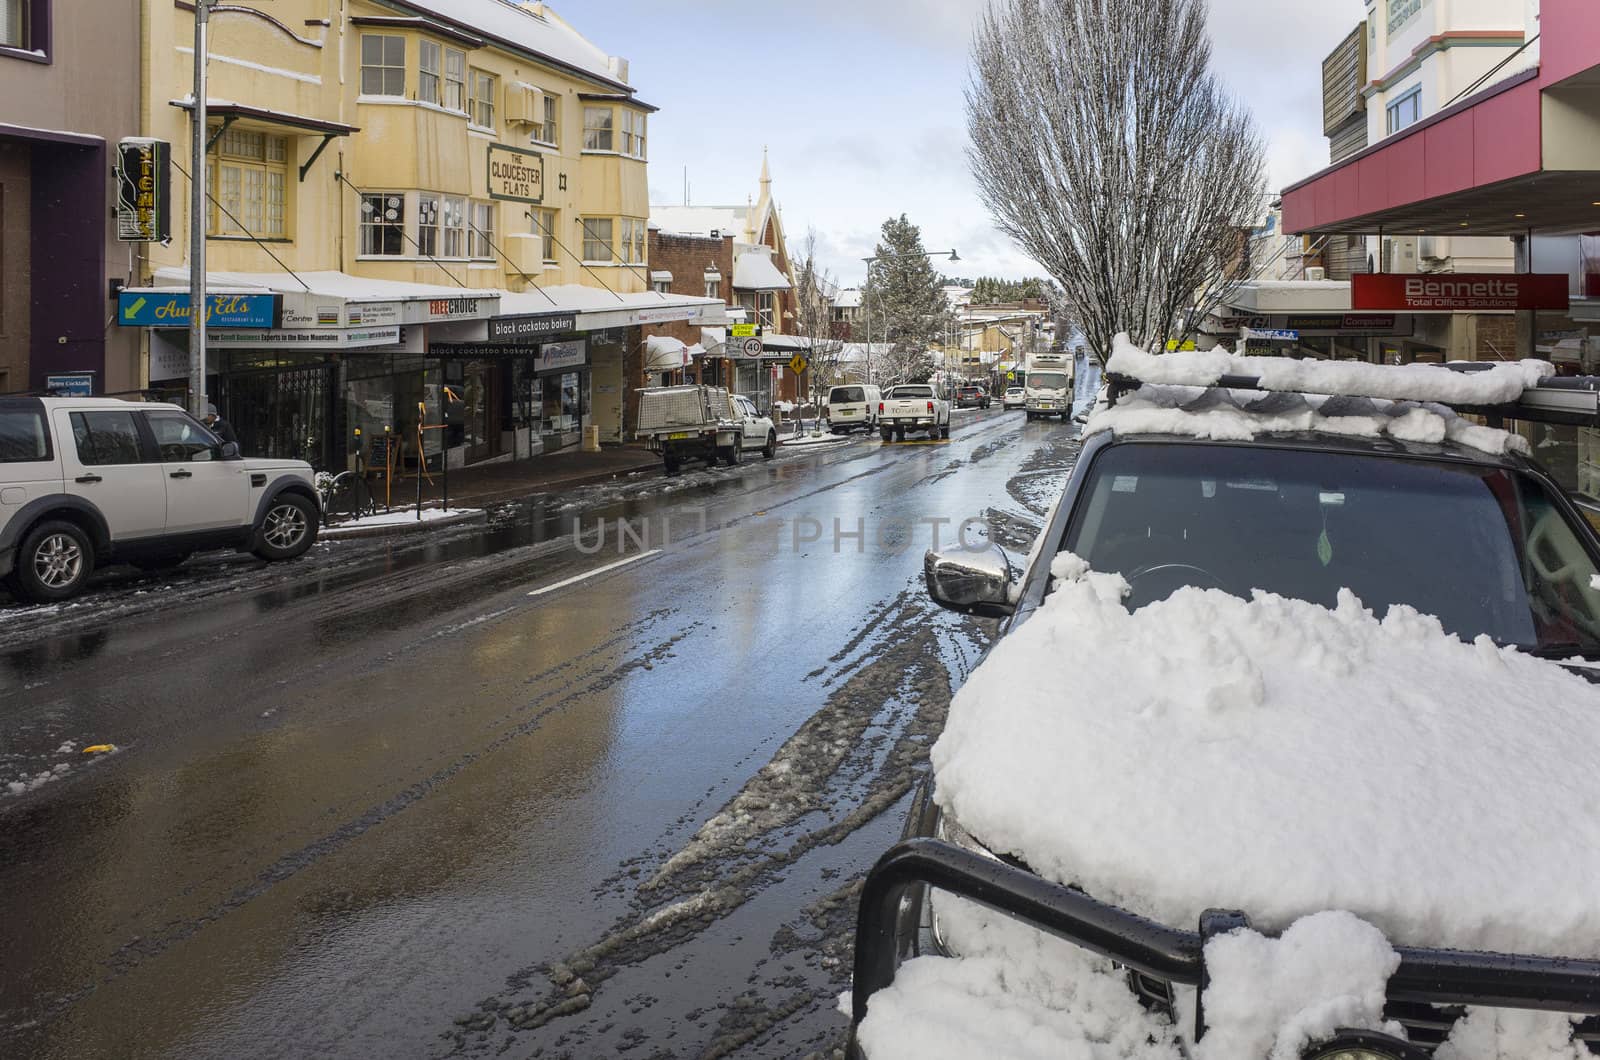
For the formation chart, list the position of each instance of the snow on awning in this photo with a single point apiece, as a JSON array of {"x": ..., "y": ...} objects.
[
  {"x": 713, "y": 339},
  {"x": 661, "y": 276},
  {"x": 664, "y": 353},
  {"x": 754, "y": 271}
]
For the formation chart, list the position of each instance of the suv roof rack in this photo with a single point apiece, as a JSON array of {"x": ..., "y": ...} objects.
[{"x": 1528, "y": 390}]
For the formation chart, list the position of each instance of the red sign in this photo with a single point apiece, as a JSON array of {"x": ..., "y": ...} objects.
[{"x": 1458, "y": 292}]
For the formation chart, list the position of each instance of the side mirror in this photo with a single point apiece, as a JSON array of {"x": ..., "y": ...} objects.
[
  {"x": 228, "y": 451},
  {"x": 970, "y": 583}
]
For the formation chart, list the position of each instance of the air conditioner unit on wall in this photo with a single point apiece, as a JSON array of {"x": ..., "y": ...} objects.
[
  {"x": 524, "y": 105},
  {"x": 1316, "y": 274}
]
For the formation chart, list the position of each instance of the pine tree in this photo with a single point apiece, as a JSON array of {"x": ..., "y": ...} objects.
[{"x": 905, "y": 288}]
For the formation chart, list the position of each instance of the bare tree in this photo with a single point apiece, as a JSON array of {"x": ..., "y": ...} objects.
[
  {"x": 815, "y": 290},
  {"x": 1110, "y": 153}
]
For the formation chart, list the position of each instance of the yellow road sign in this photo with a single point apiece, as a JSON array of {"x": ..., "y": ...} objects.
[
  {"x": 744, "y": 331},
  {"x": 798, "y": 364}
]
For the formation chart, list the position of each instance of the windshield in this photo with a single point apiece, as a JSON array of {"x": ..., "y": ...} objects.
[
  {"x": 1048, "y": 381},
  {"x": 1485, "y": 550},
  {"x": 840, "y": 395},
  {"x": 912, "y": 392}
]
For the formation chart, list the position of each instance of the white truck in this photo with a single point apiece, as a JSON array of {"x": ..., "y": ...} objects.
[
  {"x": 702, "y": 423},
  {"x": 913, "y": 407},
  {"x": 1047, "y": 391}
]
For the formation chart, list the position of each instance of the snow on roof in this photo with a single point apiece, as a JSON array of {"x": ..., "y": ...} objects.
[
  {"x": 1282, "y": 758},
  {"x": 1412, "y": 382},
  {"x": 850, "y": 298},
  {"x": 701, "y": 220},
  {"x": 1221, "y": 415},
  {"x": 330, "y": 284},
  {"x": 753, "y": 270},
  {"x": 580, "y": 299},
  {"x": 547, "y": 34}
]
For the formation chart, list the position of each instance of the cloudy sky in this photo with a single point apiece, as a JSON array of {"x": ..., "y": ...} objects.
[{"x": 859, "y": 103}]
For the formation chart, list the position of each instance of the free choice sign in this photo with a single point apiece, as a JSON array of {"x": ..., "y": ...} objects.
[
  {"x": 1459, "y": 292},
  {"x": 144, "y": 309}
]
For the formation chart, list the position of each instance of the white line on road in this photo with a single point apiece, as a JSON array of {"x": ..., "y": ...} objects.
[{"x": 596, "y": 572}]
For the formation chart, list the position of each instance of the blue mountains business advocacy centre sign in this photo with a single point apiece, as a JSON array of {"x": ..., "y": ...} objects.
[{"x": 146, "y": 309}]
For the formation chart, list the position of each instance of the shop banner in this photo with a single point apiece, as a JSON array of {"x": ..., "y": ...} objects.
[
  {"x": 144, "y": 190},
  {"x": 150, "y": 309},
  {"x": 1459, "y": 292},
  {"x": 347, "y": 339},
  {"x": 543, "y": 325},
  {"x": 559, "y": 356}
]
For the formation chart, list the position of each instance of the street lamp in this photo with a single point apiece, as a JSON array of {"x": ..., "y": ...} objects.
[
  {"x": 866, "y": 305},
  {"x": 197, "y": 218}
]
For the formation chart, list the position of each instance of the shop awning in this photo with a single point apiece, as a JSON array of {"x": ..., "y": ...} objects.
[
  {"x": 714, "y": 339},
  {"x": 753, "y": 270},
  {"x": 665, "y": 354},
  {"x": 597, "y": 309}
]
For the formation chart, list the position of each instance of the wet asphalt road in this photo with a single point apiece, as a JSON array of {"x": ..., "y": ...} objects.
[{"x": 385, "y": 802}]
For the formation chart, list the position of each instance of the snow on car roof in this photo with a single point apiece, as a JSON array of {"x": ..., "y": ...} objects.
[
  {"x": 1495, "y": 385},
  {"x": 1281, "y": 758},
  {"x": 1226, "y": 415}
]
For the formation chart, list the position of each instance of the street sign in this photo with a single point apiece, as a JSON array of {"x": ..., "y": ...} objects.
[
  {"x": 745, "y": 331},
  {"x": 798, "y": 363},
  {"x": 751, "y": 347},
  {"x": 167, "y": 309},
  {"x": 70, "y": 384},
  {"x": 1272, "y": 334}
]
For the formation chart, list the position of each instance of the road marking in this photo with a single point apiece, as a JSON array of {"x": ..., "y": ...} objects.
[{"x": 596, "y": 572}]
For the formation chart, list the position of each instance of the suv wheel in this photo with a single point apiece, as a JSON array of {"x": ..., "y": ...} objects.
[
  {"x": 770, "y": 450},
  {"x": 288, "y": 528},
  {"x": 54, "y": 562}
]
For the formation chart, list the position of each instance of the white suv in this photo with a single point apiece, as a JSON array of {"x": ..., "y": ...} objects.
[{"x": 86, "y": 482}]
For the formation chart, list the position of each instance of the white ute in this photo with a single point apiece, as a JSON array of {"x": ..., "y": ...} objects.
[
  {"x": 913, "y": 407},
  {"x": 87, "y": 482}
]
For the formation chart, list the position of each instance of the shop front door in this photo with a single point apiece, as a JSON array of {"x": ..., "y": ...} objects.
[
  {"x": 282, "y": 413},
  {"x": 481, "y": 414}
]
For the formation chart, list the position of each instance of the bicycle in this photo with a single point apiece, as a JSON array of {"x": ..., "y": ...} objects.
[{"x": 348, "y": 495}]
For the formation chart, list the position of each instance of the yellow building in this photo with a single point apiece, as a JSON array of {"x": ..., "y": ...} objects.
[{"x": 442, "y": 203}]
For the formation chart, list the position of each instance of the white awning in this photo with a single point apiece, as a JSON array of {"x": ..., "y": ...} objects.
[
  {"x": 661, "y": 277},
  {"x": 664, "y": 354},
  {"x": 754, "y": 271},
  {"x": 713, "y": 339}
]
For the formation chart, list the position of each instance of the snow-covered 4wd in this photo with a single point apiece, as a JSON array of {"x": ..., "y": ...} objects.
[
  {"x": 86, "y": 482},
  {"x": 1275, "y": 786}
]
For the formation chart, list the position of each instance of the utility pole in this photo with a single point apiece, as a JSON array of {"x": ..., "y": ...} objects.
[{"x": 197, "y": 218}]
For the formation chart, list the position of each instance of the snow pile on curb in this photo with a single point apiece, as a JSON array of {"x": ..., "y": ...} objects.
[
  {"x": 1410, "y": 382},
  {"x": 811, "y": 439},
  {"x": 1280, "y": 758},
  {"x": 1191, "y": 412},
  {"x": 402, "y": 519}
]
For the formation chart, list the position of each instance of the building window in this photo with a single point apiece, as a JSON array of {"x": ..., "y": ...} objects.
[
  {"x": 428, "y": 78},
  {"x": 14, "y": 23},
  {"x": 661, "y": 286},
  {"x": 544, "y": 224},
  {"x": 249, "y": 180},
  {"x": 597, "y": 130},
  {"x": 383, "y": 224},
  {"x": 549, "y": 133},
  {"x": 713, "y": 285},
  {"x": 633, "y": 134},
  {"x": 483, "y": 91},
  {"x": 480, "y": 241},
  {"x": 383, "y": 65},
  {"x": 428, "y": 225},
  {"x": 597, "y": 234},
  {"x": 455, "y": 80},
  {"x": 1405, "y": 111},
  {"x": 631, "y": 249},
  {"x": 454, "y": 223},
  {"x": 758, "y": 304},
  {"x": 1400, "y": 12}
]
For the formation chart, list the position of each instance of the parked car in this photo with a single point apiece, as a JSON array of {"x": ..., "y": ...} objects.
[
  {"x": 913, "y": 407},
  {"x": 972, "y": 397},
  {"x": 1335, "y": 505},
  {"x": 853, "y": 408},
  {"x": 703, "y": 423},
  {"x": 87, "y": 482},
  {"x": 1014, "y": 398}
]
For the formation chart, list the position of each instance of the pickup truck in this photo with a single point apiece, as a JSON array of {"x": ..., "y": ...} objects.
[
  {"x": 913, "y": 407},
  {"x": 702, "y": 423}
]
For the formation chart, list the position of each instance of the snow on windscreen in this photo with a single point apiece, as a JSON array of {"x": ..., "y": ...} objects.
[
  {"x": 1411, "y": 382},
  {"x": 1219, "y": 415},
  {"x": 1281, "y": 758}
]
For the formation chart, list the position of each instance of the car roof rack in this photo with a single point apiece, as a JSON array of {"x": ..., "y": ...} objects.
[{"x": 1564, "y": 400}]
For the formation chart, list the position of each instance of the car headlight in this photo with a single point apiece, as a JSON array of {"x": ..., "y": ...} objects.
[{"x": 1363, "y": 1045}]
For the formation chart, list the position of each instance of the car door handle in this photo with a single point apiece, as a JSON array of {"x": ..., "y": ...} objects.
[
  {"x": 181, "y": 474},
  {"x": 86, "y": 479}
]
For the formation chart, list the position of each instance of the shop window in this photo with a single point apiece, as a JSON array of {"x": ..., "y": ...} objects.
[
  {"x": 544, "y": 224},
  {"x": 597, "y": 236},
  {"x": 249, "y": 185},
  {"x": 661, "y": 286},
  {"x": 383, "y": 65},
  {"x": 428, "y": 225},
  {"x": 455, "y": 80},
  {"x": 483, "y": 96},
  {"x": 633, "y": 134},
  {"x": 428, "y": 66},
  {"x": 1405, "y": 111},
  {"x": 598, "y": 134},
  {"x": 480, "y": 241},
  {"x": 383, "y": 224},
  {"x": 14, "y": 24},
  {"x": 453, "y": 219},
  {"x": 550, "y": 132}
]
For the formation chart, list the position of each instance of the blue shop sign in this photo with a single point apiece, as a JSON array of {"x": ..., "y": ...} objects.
[
  {"x": 70, "y": 384},
  {"x": 146, "y": 309}
]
